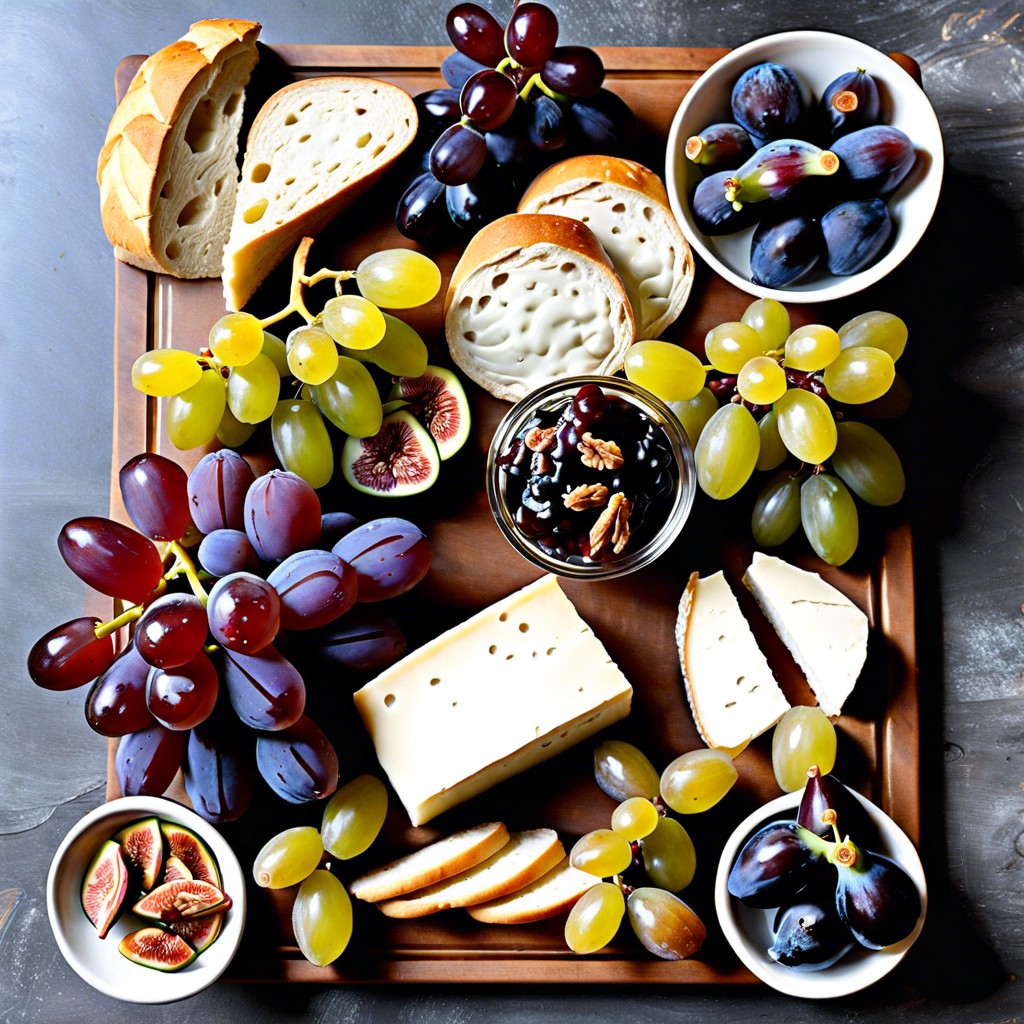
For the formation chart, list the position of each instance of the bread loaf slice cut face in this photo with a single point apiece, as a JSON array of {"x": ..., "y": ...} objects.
[
  {"x": 552, "y": 894},
  {"x": 315, "y": 147}
]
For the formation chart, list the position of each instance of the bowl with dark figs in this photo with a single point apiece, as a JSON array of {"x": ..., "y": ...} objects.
[{"x": 804, "y": 166}]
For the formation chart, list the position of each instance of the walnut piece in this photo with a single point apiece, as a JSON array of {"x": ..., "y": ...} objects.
[
  {"x": 612, "y": 526},
  {"x": 586, "y": 496},
  {"x": 540, "y": 439},
  {"x": 598, "y": 454},
  {"x": 189, "y": 904}
]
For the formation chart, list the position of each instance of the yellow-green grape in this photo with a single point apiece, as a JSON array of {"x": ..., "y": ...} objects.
[
  {"x": 866, "y": 462},
  {"x": 669, "y": 371},
  {"x": 232, "y": 432},
  {"x": 669, "y": 856},
  {"x": 770, "y": 319},
  {"x": 301, "y": 441},
  {"x": 803, "y": 737},
  {"x": 354, "y": 817},
  {"x": 398, "y": 278},
  {"x": 312, "y": 354},
  {"x": 859, "y": 374},
  {"x": 322, "y": 918},
  {"x": 353, "y": 322},
  {"x": 253, "y": 390},
  {"x": 595, "y": 918},
  {"x": 772, "y": 452},
  {"x": 602, "y": 853},
  {"x": 276, "y": 351},
  {"x": 623, "y": 770},
  {"x": 287, "y": 858},
  {"x": 697, "y": 780},
  {"x": 776, "y": 514},
  {"x": 726, "y": 453},
  {"x": 350, "y": 400},
  {"x": 235, "y": 338},
  {"x": 828, "y": 515},
  {"x": 761, "y": 381},
  {"x": 664, "y": 924},
  {"x": 806, "y": 426},
  {"x": 401, "y": 352},
  {"x": 875, "y": 330},
  {"x": 635, "y": 818},
  {"x": 728, "y": 346},
  {"x": 694, "y": 414},
  {"x": 165, "y": 372},
  {"x": 812, "y": 347},
  {"x": 194, "y": 416}
]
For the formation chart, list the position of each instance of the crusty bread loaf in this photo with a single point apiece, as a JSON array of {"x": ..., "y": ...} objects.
[
  {"x": 314, "y": 147},
  {"x": 552, "y": 894},
  {"x": 167, "y": 171},
  {"x": 627, "y": 207},
  {"x": 534, "y": 298}
]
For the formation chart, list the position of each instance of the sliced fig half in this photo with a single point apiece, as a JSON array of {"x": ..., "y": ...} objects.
[
  {"x": 184, "y": 844},
  {"x": 158, "y": 949},
  {"x": 181, "y": 900},
  {"x": 400, "y": 459},
  {"x": 438, "y": 401},
  {"x": 175, "y": 869},
  {"x": 104, "y": 886},
  {"x": 199, "y": 932},
  {"x": 143, "y": 846}
]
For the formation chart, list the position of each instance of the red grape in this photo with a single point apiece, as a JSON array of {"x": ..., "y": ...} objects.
[
  {"x": 219, "y": 767},
  {"x": 216, "y": 490},
  {"x": 172, "y": 630},
  {"x": 574, "y": 71},
  {"x": 282, "y": 515},
  {"x": 488, "y": 99},
  {"x": 265, "y": 689},
  {"x": 226, "y": 551},
  {"x": 155, "y": 494},
  {"x": 147, "y": 761},
  {"x": 458, "y": 155},
  {"x": 244, "y": 612},
  {"x": 70, "y": 655},
  {"x": 182, "y": 697},
  {"x": 111, "y": 558},
  {"x": 475, "y": 32},
  {"x": 315, "y": 588},
  {"x": 389, "y": 555},
  {"x": 116, "y": 704},
  {"x": 299, "y": 763},
  {"x": 531, "y": 34}
]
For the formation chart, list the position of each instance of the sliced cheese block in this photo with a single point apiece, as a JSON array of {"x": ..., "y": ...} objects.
[
  {"x": 514, "y": 685},
  {"x": 732, "y": 692},
  {"x": 826, "y": 633},
  {"x": 526, "y": 857},
  {"x": 552, "y": 894}
]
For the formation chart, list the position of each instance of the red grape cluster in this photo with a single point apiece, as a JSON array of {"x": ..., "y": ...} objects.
[{"x": 203, "y": 664}]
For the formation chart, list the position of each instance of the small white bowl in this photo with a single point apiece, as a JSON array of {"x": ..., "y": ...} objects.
[
  {"x": 749, "y": 930},
  {"x": 97, "y": 960},
  {"x": 817, "y": 58}
]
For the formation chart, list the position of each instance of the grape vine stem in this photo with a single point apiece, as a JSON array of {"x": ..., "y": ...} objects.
[{"x": 301, "y": 280}]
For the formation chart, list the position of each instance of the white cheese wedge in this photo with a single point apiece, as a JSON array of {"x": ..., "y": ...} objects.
[
  {"x": 826, "y": 633},
  {"x": 732, "y": 692},
  {"x": 512, "y": 686}
]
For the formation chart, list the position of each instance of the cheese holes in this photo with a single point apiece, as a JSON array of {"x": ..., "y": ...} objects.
[
  {"x": 255, "y": 212},
  {"x": 524, "y": 627},
  {"x": 260, "y": 172},
  {"x": 389, "y": 700},
  {"x": 493, "y": 649},
  {"x": 435, "y": 681},
  {"x": 503, "y": 617}
]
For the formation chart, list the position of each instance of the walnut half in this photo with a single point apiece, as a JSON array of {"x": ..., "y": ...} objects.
[
  {"x": 586, "y": 496},
  {"x": 612, "y": 526},
  {"x": 598, "y": 454}
]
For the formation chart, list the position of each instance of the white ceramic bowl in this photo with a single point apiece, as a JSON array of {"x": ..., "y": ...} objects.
[
  {"x": 817, "y": 58},
  {"x": 748, "y": 930},
  {"x": 98, "y": 961}
]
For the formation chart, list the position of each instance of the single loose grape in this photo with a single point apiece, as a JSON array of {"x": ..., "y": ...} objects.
[
  {"x": 773, "y": 451},
  {"x": 859, "y": 374},
  {"x": 875, "y": 330},
  {"x": 694, "y": 414},
  {"x": 803, "y": 737},
  {"x": 806, "y": 426},
  {"x": 235, "y": 338},
  {"x": 669, "y": 856},
  {"x": 322, "y": 918},
  {"x": 664, "y": 924},
  {"x": 312, "y": 354},
  {"x": 761, "y": 381},
  {"x": 287, "y": 858},
  {"x": 866, "y": 462},
  {"x": 165, "y": 372},
  {"x": 697, "y": 780},
  {"x": 669, "y": 371},
  {"x": 812, "y": 347},
  {"x": 727, "y": 451},
  {"x": 253, "y": 390},
  {"x": 728, "y": 346},
  {"x": 354, "y": 817},
  {"x": 770, "y": 319},
  {"x": 353, "y": 322},
  {"x": 622, "y": 771},
  {"x": 595, "y": 918},
  {"x": 635, "y": 818},
  {"x": 602, "y": 853},
  {"x": 194, "y": 416},
  {"x": 398, "y": 278},
  {"x": 828, "y": 515}
]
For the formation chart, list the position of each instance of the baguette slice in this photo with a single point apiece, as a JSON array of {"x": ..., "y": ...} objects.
[
  {"x": 826, "y": 633},
  {"x": 627, "y": 207},
  {"x": 449, "y": 856},
  {"x": 731, "y": 690},
  {"x": 314, "y": 147},
  {"x": 167, "y": 171},
  {"x": 552, "y": 894},
  {"x": 526, "y": 857},
  {"x": 534, "y": 298}
]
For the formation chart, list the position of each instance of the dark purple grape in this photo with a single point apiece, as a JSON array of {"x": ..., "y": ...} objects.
[
  {"x": 315, "y": 588},
  {"x": 365, "y": 641},
  {"x": 510, "y": 145},
  {"x": 182, "y": 697},
  {"x": 421, "y": 211},
  {"x": 219, "y": 767},
  {"x": 298, "y": 764},
  {"x": 458, "y": 155},
  {"x": 389, "y": 555},
  {"x": 548, "y": 128},
  {"x": 531, "y": 34},
  {"x": 155, "y": 494},
  {"x": 244, "y": 612},
  {"x": 488, "y": 196},
  {"x": 856, "y": 234},
  {"x": 488, "y": 99},
  {"x": 457, "y": 69},
  {"x": 111, "y": 558},
  {"x": 713, "y": 213},
  {"x": 774, "y": 865},
  {"x": 769, "y": 102},
  {"x": 334, "y": 526},
  {"x": 475, "y": 32},
  {"x": 282, "y": 515},
  {"x": 719, "y": 146},
  {"x": 266, "y": 691},
  {"x": 116, "y": 703},
  {"x": 171, "y": 631},
  {"x": 216, "y": 490},
  {"x": 850, "y": 102},
  {"x": 825, "y": 792},
  {"x": 876, "y": 899},
  {"x": 70, "y": 655},
  {"x": 147, "y": 760},
  {"x": 604, "y": 124},
  {"x": 589, "y": 405},
  {"x": 226, "y": 551},
  {"x": 809, "y": 934},
  {"x": 437, "y": 109},
  {"x": 575, "y": 71},
  {"x": 874, "y": 160},
  {"x": 784, "y": 248}
]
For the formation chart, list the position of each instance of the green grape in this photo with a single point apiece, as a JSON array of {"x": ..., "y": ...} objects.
[
  {"x": 401, "y": 352},
  {"x": 602, "y": 853},
  {"x": 354, "y": 817},
  {"x": 232, "y": 432},
  {"x": 350, "y": 399},
  {"x": 301, "y": 441},
  {"x": 595, "y": 918},
  {"x": 866, "y": 462},
  {"x": 669, "y": 856},
  {"x": 728, "y": 346},
  {"x": 622, "y": 771},
  {"x": 727, "y": 451},
  {"x": 812, "y": 347},
  {"x": 194, "y": 416},
  {"x": 353, "y": 322},
  {"x": 312, "y": 354},
  {"x": 695, "y": 413},
  {"x": 664, "y": 924},
  {"x": 806, "y": 426},
  {"x": 398, "y": 278},
  {"x": 697, "y": 780},
  {"x": 635, "y": 818},
  {"x": 669, "y": 371},
  {"x": 875, "y": 330},
  {"x": 803, "y": 737},
  {"x": 773, "y": 451},
  {"x": 859, "y": 374},
  {"x": 235, "y": 338},
  {"x": 287, "y": 858},
  {"x": 761, "y": 381},
  {"x": 253, "y": 390},
  {"x": 277, "y": 352},
  {"x": 165, "y": 372},
  {"x": 829, "y": 518},
  {"x": 776, "y": 515},
  {"x": 322, "y": 918},
  {"x": 770, "y": 319}
]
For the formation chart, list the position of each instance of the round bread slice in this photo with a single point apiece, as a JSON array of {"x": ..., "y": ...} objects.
[
  {"x": 535, "y": 298},
  {"x": 552, "y": 894},
  {"x": 627, "y": 207}
]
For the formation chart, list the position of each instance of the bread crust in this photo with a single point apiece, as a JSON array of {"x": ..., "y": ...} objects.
[{"x": 592, "y": 167}]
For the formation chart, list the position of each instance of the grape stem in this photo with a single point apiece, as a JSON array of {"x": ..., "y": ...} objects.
[
  {"x": 535, "y": 81},
  {"x": 183, "y": 564},
  {"x": 127, "y": 616},
  {"x": 300, "y": 280}
]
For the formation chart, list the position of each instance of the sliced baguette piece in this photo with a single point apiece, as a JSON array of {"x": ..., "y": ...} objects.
[
  {"x": 731, "y": 690},
  {"x": 826, "y": 633},
  {"x": 167, "y": 171},
  {"x": 552, "y": 894},
  {"x": 534, "y": 298},
  {"x": 526, "y": 857},
  {"x": 314, "y": 148},
  {"x": 429, "y": 864},
  {"x": 625, "y": 204}
]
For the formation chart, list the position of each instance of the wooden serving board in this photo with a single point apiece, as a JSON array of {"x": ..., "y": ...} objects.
[{"x": 473, "y": 566}]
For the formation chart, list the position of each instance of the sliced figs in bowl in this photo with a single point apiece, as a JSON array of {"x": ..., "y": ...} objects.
[
  {"x": 158, "y": 949},
  {"x": 437, "y": 399},
  {"x": 400, "y": 459},
  {"x": 105, "y": 886},
  {"x": 182, "y": 900},
  {"x": 184, "y": 844},
  {"x": 142, "y": 843}
]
